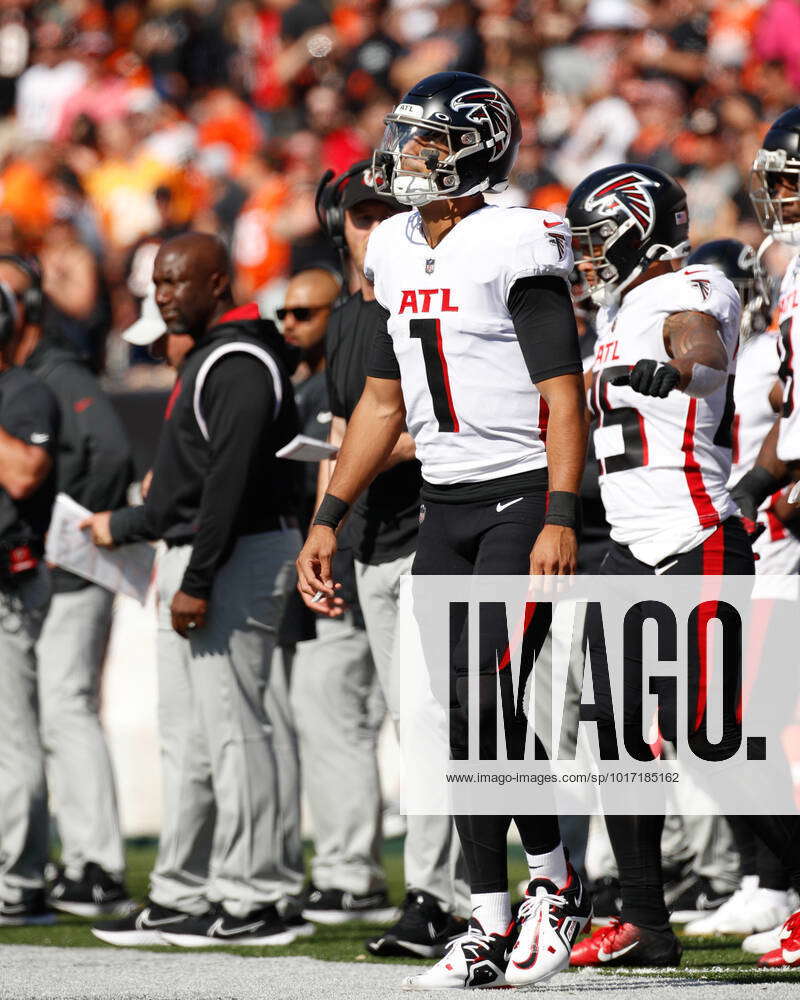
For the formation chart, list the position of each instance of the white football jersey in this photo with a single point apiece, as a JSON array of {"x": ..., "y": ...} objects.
[
  {"x": 789, "y": 326},
  {"x": 471, "y": 406},
  {"x": 776, "y": 550},
  {"x": 664, "y": 463}
]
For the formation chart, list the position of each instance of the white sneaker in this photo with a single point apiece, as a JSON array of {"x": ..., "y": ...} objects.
[
  {"x": 549, "y": 921},
  {"x": 760, "y": 944},
  {"x": 474, "y": 961},
  {"x": 731, "y": 909},
  {"x": 764, "y": 910}
]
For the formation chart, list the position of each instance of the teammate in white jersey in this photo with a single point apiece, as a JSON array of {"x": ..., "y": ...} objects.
[
  {"x": 480, "y": 359},
  {"x": 662, "y": 394},
  {"x": 775, "y": 193}
]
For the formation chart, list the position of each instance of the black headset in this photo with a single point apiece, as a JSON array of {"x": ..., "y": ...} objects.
[
  {"x": 33, "y": 297},
  {"x": 8, "y": 314},
  {"x": 328, "y": 202}
]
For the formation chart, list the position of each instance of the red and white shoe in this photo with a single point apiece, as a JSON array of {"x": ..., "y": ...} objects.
[
  {"x": 474, "y": 961},
  {"x": 621, "y": 943},
  {"x": 549, "y": 922},
  {"x": 788, "y": 954}
]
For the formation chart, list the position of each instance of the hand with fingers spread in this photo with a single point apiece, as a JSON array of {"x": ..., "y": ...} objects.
[{"x": 315, "y": 568}]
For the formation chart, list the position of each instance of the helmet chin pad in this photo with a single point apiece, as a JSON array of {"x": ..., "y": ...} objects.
[{"x": 415, "y": 189}]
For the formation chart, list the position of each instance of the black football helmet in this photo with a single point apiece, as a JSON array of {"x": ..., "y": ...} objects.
[
  {"x": 775, "y": 178},
  {"x": 475, "y": 127},
  {"x": 739, "y": 262},
  {"x": 622, "y": 219}
]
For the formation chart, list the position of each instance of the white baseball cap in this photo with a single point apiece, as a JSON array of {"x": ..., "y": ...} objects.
[{"x": 149, "y": 326}]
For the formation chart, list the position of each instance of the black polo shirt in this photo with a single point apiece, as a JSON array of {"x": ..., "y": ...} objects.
[
  {"x": 29, "y": 412},
  {"x": 384, "y": 522}
]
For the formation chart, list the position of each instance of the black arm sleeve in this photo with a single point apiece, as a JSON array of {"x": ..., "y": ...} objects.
[
  {"x": 131, "y": 524},
  {"x": 382, "y": 361},
  {"x": 544, "y": 322},
  {"x": 238, "y": 402}
]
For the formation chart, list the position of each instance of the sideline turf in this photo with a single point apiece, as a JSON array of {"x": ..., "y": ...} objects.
[{"x": 709, "y": 959}]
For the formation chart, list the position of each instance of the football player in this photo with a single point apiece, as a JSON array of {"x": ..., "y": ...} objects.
[
  {"x": 775, "y": 193},
  {"x": 662, "y": 394},
  {"x": 480, "y": 360}
]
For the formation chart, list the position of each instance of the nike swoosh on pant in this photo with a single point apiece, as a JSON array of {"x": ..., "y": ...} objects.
[
  {"x": 605, "y": 956},
  {"x": 663, "y": 569},
  {"x": 502, "y": 506}
]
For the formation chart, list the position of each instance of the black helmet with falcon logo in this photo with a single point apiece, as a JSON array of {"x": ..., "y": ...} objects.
[
  {"x": 622, "y": 219},
  {"x": 452, "y": 135}
]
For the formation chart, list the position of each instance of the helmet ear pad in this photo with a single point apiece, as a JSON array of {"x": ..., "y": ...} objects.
[{"x": 328, "y": 202}]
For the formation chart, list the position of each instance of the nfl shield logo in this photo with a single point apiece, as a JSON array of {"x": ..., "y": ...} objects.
[{"x": 429, "y": 265}]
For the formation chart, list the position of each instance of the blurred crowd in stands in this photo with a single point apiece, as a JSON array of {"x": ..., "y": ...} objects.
[{"x": 124, "y": 122}]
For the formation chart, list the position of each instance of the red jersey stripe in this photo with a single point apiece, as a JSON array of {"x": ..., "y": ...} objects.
[{"x": 706, "y": 513}]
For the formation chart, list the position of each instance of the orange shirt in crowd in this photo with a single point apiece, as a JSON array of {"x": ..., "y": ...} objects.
[
  {"x": 122, "y": 194},
  {"x": 27, "y": 196},
  {"x": 259, "y": 254}
]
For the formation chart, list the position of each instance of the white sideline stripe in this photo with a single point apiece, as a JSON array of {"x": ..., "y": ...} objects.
[{"x": 238, "y": 347}]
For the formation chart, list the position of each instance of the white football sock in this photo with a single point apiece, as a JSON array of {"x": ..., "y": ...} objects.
[
  {"x": 492, "y": 910},
  {"x": 552, "y": 865}
]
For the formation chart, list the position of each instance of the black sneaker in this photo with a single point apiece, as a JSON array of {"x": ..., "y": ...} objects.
[
  {"x": 606, "y": 900},
  {"x": 217, "y": 929},
  {"x": 334, "y": 906},
  {"x": 140, "y": 927},
  {"x": 94, "y": 894},
  {"x": 423, "y": 929},
  {"x": 698, "y": 900},
  {"x": 30, "y": 910}
]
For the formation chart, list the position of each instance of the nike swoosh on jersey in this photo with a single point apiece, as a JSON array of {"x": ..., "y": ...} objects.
[
  {"x": 608, "y": 956},
  {"x": 552, "y": 225},
  {"x": 502, "y": 506},
  {"x": 663, "y": 569},
  {"x": 324, "y": 417},
  {"x": 37, "y": 438}
]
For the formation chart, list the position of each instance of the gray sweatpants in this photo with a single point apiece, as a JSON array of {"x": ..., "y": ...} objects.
[
  {"x": 221, "y": 837},
  {"x": 23, "y": 792},
  {"x": 431, "y": 856},
  {"x": 333, "y": 696},
  {"x": 80, "y": 777}
]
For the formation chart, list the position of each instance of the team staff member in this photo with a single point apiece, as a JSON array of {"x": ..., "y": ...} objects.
[
  {"x": 94, "y": 468},
  {"x": 28, "y": 446},
  {"x": 333, "y": 677},
  {"x": 480, "y": 359},
  {"x": 221, "y": 501},
  {"x": 382, "y": 529}
]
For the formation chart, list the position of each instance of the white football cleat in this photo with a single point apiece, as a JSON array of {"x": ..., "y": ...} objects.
[
  {"x": 549, "y": 921},
  {"x": 760, "y": 944},
  {"x": 474, "y": 961},
  {"x": 731, "y": 910}
]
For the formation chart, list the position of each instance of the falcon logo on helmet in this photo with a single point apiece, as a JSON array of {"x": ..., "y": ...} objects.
[
  {"x": 630, "y": 193},
  {"x": 490, "y": 108}
]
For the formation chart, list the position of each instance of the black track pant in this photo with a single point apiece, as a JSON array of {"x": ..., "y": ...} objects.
[
  {"x": 636, "y": 840},
  {"x": 485, "y": 538}
]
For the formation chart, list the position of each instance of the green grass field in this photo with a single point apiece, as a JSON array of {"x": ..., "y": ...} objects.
[{"x": 711, "y": 959}]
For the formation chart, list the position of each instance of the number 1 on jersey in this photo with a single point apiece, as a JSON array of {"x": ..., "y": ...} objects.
[{"x": 429, "y": 333}]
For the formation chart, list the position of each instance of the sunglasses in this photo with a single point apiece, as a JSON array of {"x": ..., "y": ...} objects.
[{"x": 301, "y": 313}]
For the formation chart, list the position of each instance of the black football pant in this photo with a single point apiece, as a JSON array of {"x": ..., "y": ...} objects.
[
  {"x": 636, "y": 840},
  {"x": 488, "y": 538}
]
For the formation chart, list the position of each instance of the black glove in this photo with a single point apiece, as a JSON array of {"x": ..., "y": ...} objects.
[
  {"x": 650, "y": 378},
  {"x": 753, "y": 489}
]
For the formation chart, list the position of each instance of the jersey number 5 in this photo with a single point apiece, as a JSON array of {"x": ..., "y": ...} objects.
[{"x": 429, "y": 333}]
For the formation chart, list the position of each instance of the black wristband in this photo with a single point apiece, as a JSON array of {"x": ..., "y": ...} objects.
[
  {"x": 562, "y": 509},
  {"x": 331, "y": 511}
]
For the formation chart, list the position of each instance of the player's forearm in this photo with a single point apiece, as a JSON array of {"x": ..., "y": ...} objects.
[
  {"x": 567, "y": 434},
  {"x": 327, "y": 466},
  {"x": 372, "y": 432},
  {"x": 768, "y": 456},
  {"x": 404, "y": 451},
  {"x": 697, "y": 352}
]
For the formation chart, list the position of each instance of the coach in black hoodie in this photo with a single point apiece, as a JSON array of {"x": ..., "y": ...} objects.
[
  {"x": 93, "y": 466},
  {"x": 223, "y": 504}
]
